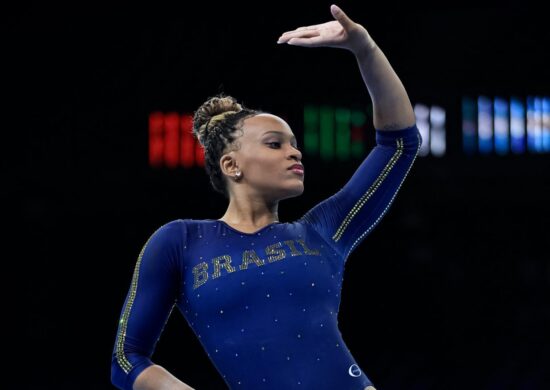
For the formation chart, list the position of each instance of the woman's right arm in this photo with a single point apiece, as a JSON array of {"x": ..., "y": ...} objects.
[{"x": 153, "y": 293}]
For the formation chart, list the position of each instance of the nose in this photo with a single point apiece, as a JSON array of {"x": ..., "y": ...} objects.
[{"x": 295, "y": 153}]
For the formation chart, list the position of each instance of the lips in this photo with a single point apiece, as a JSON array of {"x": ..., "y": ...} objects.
[{"x": 297, "y": 169}]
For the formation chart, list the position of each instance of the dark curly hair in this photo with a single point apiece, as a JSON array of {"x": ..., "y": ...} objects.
[{"x": 214, "y": 125}]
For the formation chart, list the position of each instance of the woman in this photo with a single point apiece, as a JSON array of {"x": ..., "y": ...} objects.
[{"x": 262, "y": 296}]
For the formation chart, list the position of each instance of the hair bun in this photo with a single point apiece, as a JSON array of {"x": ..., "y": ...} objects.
[{"x": 211, "y": 111}]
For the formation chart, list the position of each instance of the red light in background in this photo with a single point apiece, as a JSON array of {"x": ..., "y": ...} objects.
[
  {"x": 156, "y": 139},
  {"x": 187, "y": 141},
  {"x": 171, "y": 141},
  {"x": 357, "y": 134},
  {"x": 199, "y": 154},
  {"x": 171, "y": 138}
]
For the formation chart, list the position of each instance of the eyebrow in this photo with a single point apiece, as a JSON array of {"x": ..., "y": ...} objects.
[{"x": 279, "y": 132}]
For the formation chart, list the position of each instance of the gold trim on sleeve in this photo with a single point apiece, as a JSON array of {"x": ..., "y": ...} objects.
[
  {"x": 361, "y": 202},
  {"x": 120, "y": 356},
  {"x": 356, "y": 242}
]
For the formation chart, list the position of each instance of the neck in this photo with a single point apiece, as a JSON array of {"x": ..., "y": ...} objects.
[{"x": 251, "y": 212}]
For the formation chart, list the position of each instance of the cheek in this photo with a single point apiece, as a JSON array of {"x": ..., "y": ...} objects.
[{"x": 264, "y": 168}]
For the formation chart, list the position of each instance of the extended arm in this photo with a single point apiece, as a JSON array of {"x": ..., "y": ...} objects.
[{"x": 392, "y": 107}]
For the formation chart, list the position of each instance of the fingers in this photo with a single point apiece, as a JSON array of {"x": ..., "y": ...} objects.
[
  {"x": 312, "y": 27},
  {"x": 307, "y": 34},
  {"x": 341, "y": 17},
  {"x": 310, "y": 42},
  {"x": 298, "y": 31}
]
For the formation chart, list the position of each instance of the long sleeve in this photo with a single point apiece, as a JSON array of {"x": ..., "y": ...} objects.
[
  {"x": 347, "y": 217},
  {"x": 153, "y": 292}
]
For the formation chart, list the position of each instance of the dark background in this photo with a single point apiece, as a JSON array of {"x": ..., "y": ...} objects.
[{"x": 450, "y": 291}]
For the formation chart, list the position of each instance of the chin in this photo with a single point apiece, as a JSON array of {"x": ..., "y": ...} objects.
[{"x": 293, "y": 192}]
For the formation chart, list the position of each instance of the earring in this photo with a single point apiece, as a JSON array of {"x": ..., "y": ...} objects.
[{"x": 238, "y": 175}]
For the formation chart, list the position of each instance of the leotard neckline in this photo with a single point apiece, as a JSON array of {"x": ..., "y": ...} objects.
[{"x": 245, "y": 233}]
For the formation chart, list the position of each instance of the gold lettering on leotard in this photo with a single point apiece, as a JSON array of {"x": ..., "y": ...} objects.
[
  {"x": 293, "y": 250},
  {"x": 307, "y": 250},
  {"x": 200, "y": 274},
  {"x": 275, "y": 252},
  {"x": 222, "y": 262},
  {"x": 250, "y": 256}
]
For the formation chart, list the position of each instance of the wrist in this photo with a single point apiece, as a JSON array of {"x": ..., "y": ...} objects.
[
  {"x": 363, "y": 45},
  {"x": 365, "y": 51}
]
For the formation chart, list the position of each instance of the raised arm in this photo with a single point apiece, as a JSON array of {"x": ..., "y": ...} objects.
[
  {"x": 392, "y": 107},
  {"x": 347, "y": 217}
]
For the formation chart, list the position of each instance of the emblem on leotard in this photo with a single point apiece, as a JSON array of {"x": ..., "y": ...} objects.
[{"x": 354, "y": 370}]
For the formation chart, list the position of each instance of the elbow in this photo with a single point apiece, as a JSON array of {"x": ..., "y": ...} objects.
[
  {"x": 412, "y": 142},
  {"x": 122, "y": 373},
  {"x": 118, "y": 375},
  {"x": 406, "y": 140},
  {"x": 125, "y": 370}
]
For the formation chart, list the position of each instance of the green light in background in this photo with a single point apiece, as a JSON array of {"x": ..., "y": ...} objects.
[
  {"x": 311, "y": 130},
  {"x": 358, "y": 118},
  {"x": 343, "y": 136},
  {"x": 334, "y": 132},
  {"x": 327, "y": 132},
  {"x": 358, "y": 121}
]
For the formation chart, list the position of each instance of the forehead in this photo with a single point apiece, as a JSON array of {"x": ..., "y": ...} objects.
[{"x": 260, "y": 124}]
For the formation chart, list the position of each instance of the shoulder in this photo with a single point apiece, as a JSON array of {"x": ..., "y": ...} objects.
[
  {"x": 172, "y": 237},
  {"x": 171, "y": 226},
  {"x": 186, "y": 227},
  {"x": 183, "y": 223},
  {"x": 189, "y": 224},
  {"x": 170, "y": 232}
]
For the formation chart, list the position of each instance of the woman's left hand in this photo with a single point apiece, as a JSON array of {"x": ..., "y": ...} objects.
[{"x": 340, "y": 33}]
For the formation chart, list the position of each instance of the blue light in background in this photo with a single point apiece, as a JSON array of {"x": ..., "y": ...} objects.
[
  {"x": 538, "y": 125},
  {"x": 546, "y": 124},
  {"x": 532, "y": 131},
  {"x": 485, "y": 124},
  {"x": 422, "y": 114},
  {"x": 468, "y": 125},
  {"x": 517, "y": 125},
  {"x": 501, "y": 125},
  {"x": 437, "y": 131}
]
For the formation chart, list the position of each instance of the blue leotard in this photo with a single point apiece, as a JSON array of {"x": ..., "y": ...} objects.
[{"x": 263, "y": 305}]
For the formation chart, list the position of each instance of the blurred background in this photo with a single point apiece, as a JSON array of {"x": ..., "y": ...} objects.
[{"x": 450, "y": 291}]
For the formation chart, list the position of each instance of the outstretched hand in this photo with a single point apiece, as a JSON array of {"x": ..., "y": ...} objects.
[{"x": 340, "y": 33}]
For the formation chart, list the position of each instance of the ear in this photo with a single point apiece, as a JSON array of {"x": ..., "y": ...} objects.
[{"x": 228, "y": 164}]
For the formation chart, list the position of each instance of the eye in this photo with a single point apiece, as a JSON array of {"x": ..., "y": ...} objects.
[{"x": 277, "y": 145}]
